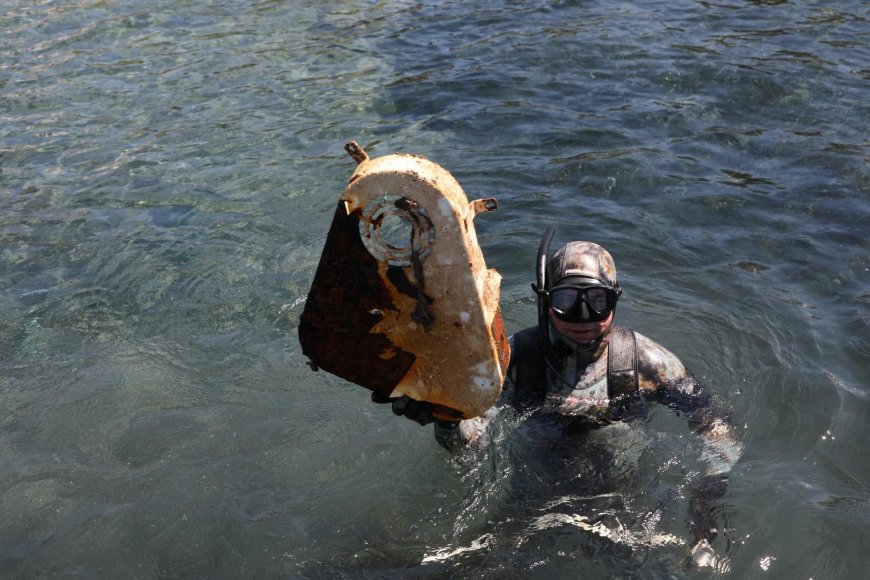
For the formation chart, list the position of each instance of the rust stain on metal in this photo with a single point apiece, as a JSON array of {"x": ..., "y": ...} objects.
[
  {"x": 402, "y": 302},
  {"x": 354, "y": 150},
  {"x": 335, "y": 336},
  {"x": 485, "y": 205}
]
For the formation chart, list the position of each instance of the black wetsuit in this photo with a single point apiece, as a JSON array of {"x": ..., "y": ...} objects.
[{"x": 614, "y": 381}]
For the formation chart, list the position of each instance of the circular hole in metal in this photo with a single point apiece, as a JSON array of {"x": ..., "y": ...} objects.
[{"x": 396, "y": 230}]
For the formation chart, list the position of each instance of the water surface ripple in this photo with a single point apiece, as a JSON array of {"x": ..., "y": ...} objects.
[{"x": 168, "y": 172}]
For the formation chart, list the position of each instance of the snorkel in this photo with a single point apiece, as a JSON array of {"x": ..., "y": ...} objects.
[
  {"x": 542, "y": 291},
  {"x": 540, "y": 287}
]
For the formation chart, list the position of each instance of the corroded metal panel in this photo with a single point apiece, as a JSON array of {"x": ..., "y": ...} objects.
[{"x": 402, "y": 302}]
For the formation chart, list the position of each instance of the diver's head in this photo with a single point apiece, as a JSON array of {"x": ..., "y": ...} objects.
[{"x": 581, "y": 292}]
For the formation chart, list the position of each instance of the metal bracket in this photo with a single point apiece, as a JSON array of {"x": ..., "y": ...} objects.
[{"x": 484, "y": 205}]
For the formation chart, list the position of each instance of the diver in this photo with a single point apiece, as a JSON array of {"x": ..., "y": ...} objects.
[{"x": 579, "y": 367}]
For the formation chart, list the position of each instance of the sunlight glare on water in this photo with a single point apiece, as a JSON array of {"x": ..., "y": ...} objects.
[{"x": 168, "y": 172}]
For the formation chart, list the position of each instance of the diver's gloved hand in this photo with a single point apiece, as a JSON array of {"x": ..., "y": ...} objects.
[
  {"x": 418, "y": 411},
  {"x": 704, "y": 503},
  {"x": 703, "y": 556}
]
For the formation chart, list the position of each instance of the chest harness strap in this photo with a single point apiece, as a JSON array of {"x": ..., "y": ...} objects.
[
  {"x": 622, "y": 376},
  {"x": 528, "y": 370}
]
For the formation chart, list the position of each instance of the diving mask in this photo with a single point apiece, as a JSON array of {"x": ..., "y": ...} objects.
[{"x": 579, "y": 303}]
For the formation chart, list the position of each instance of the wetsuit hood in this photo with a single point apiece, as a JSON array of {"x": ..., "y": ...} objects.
[
  {"x": 579, "y": 262},
  {"x": 582, "y": 262}
]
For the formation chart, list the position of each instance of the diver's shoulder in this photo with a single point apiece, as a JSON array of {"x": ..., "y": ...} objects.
[{"x": 656, "y": 364}]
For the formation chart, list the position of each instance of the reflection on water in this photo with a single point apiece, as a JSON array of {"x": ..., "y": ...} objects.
[
  {"x": 580, "y": 503},
  {"x": 168, "y": 171}
]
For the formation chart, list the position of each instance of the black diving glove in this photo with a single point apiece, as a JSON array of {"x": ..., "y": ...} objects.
[
  {"x": 418, "y": 411},
  {"x": 705, "y": 506}
]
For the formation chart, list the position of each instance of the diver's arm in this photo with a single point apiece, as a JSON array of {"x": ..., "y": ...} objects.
[
  {"x": 670, "y": 383},
  {"x": 708, "y": 417},
  {"x": 662, "y": 373},
  {"x": 472, "y": 433},
  {"x": 720, "y": 451}
]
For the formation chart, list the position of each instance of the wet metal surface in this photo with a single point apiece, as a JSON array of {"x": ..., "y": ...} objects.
[{"x": 402, "y": 302}]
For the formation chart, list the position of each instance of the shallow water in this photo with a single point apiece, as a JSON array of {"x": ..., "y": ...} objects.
[{"x": 169, "y": 172}]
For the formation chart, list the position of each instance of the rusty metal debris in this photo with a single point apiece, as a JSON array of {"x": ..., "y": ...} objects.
[{"x": 402, "y": 302}]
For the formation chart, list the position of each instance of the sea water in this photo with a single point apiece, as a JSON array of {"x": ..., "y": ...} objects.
[{"x": 169, "y": 172}]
